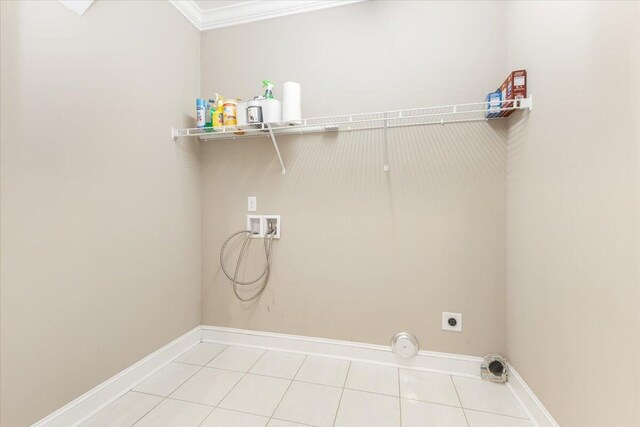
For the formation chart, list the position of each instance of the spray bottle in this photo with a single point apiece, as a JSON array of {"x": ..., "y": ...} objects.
[
  {"x": 268, "y": 89},
  {"x": 200, "y": 112},
  {"x": 218, "y": 115},
  {"x": 211, "y": 111}
]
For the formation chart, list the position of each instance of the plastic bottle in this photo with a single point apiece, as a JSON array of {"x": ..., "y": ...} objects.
[
  {"x": 200, "y": 112},
  {"x": 208, "y": 115},
  {"x": 218, "y": 117},
  {"x": 229, "y": 112},
  {"x": 268, "y": 89}
]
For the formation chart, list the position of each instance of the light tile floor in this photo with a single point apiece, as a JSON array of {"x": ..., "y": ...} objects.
[{"x": 214, "y": 385}]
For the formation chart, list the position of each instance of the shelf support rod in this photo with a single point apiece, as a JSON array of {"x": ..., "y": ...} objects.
[
  {"x": 275, "y": 145},
  {"x": 386, "y": 144}
]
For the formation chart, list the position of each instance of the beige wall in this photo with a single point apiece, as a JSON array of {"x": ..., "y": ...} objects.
[
  {"x": 365, "y": 254},
  {"x": 573, "y": 211},
  {"x": 102, "y": 212},
  {"x": 100, "y": 208}
]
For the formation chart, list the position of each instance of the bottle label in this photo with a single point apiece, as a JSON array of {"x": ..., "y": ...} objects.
[
  {"x": 200, "y": 117},
  {"x": 229, "y": 114}
]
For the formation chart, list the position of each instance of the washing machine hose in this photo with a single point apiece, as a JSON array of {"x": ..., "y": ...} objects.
[{"x": 268, "y": 241}]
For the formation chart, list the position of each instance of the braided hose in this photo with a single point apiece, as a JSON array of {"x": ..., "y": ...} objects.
[{"x": 268, "y": 242}]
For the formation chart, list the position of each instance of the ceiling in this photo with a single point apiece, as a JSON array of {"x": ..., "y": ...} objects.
[{"x": 209, "y": 14}]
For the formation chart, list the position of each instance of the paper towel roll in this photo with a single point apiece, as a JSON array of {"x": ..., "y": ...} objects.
[{"x": 291, "y": 109}]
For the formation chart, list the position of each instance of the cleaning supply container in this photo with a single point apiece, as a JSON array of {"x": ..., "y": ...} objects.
[
  {"x": 218, "y": 117},
  {"x": 271, "y": 110},
  {"x": 211, "y": 106},
  {"x": 229, "y": 112},
  {"x": 200, "y": 112},
  {"x": 254, "y": 112}
]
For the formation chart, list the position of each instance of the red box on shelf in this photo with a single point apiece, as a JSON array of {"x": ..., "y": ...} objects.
[{"x": 514, "y": 87}]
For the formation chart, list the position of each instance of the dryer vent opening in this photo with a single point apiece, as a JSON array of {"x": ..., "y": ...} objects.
[{"x": 494, "y": 368}]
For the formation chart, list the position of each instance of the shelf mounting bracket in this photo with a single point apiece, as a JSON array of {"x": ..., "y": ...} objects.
[
  {"x": 275, "y": 145},
  {"x": 386, "y": 145}
]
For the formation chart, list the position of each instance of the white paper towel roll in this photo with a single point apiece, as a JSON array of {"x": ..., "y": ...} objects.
[{"x": 291, "y": 109}]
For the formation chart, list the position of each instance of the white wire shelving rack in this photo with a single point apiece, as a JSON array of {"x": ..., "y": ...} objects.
[{"x": 440, "y": 115}]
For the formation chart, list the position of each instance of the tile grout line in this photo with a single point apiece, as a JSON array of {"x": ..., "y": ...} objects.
[
  {"x": 205, "y": 365},
  {"x": 288, "y": 387},
  {"x": 138, "y": 419},
  {"x": 314, "y": 383},
  {"x": 430, "y": 402},
  {"x": 191, "y": 401},
  {"x": 231, "y": 389},
  {"x": 235, "y": 410},
  {"x": 345, "y": 358},
  {"x": 261, "y": 375},
  {"x": 294, "y": 422},
  {"x": 332, "y": 386},
  {"x": 343, "y": 388},
  {"x": 381, "y": 394},
  {"x": 459, "y": 400},
  {"x": 167, "y": 396},
  {"x": 206, "y": 416},
  {"x": 335, "y": 418},
  {"x": 496, "y": 413},
  {"x": 254, "y": 363},
  {"x": 480, "y": 410},
  {"x": 244, "y": 374}
]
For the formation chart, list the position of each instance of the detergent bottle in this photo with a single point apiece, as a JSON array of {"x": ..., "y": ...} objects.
[{"x": 218, "y": 116}]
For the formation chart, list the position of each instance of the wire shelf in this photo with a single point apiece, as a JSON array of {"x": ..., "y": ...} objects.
[
  {"x": 389, "y": 119},
  {"x": 352, "y": 122}
]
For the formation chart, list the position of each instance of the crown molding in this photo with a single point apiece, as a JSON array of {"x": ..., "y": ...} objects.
[
  {"x": 249, "y": 11},
  {"x": 78, "y": 6}
]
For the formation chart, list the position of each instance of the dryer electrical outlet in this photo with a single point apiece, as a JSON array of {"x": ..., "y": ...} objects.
[{"x": 452, "y": 321}]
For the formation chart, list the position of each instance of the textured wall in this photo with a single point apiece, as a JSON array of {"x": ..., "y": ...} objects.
[
  {"x": 100, "y": 208},
  {"x": 365, "y": 254},
  {"x": 573, "y": 210}
]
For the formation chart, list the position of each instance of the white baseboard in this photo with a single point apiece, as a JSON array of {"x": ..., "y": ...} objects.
[
  {"x": 425, "y": 360},
  {"x": 96, "y": 399},
  {"x": 529, "y": 401},
  {"x": 82, "y": 408}
]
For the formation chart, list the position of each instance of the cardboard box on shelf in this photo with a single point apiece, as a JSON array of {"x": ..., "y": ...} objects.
[
  {"x": 513, "y": 88},
  {"x": 494, "y": 102}
]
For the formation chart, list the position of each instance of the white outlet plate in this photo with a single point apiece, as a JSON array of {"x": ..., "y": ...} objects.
[
  {"x": 252, "y": 203},
  {"x": 445, "y": 321}
]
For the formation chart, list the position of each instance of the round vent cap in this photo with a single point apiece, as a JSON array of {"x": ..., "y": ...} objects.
[{"x": 404, "y": 345}]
